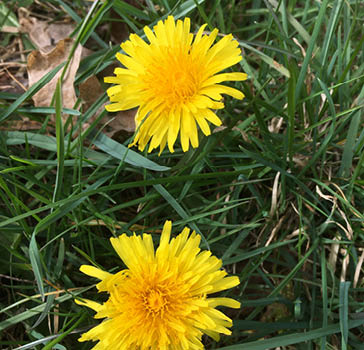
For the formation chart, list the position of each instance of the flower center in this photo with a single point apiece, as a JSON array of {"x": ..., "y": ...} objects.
[
  {"x": 173, "y": 77},
  {"x": 155, "y": 301}
]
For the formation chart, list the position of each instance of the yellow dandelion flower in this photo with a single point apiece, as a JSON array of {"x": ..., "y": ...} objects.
[
  {"x": 160, "y": 301},
  {"x": 174, "y": 83}
]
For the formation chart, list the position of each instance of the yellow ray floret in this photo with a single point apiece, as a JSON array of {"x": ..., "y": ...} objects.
[
  {"x": 174, "y": 82},
  {"x": 161, "y": 300}
]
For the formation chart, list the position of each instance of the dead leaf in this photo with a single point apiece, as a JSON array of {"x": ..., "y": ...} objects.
[
  {"x": 40, "y": 64},
  {"x": 123, "y": 120},
  {"x": 43, "y": 35},
  {"x": 90, "y": 91},
  {"x": 22, "y": 125},
  {"x": 9, "y": 29},
  {"x": 119, "y": 29}
]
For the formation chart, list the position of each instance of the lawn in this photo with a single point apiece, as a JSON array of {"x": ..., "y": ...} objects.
[{"x": 276, "y": 191}]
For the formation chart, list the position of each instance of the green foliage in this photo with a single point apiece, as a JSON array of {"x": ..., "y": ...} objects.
[{"x": 277, "y": 192}]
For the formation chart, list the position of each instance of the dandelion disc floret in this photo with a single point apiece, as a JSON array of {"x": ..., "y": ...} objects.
[
  {"x": 174, "y": 83},
  {"x": 160, "y": 302}
]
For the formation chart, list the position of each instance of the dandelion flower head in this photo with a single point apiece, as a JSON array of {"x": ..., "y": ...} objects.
[
  {"x": 174, "y": 83},
  {"x": 160, "y": 302}
]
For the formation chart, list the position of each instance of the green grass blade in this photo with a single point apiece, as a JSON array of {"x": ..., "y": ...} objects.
[
  {"x": 343, "y": 312},
  {"x": 36, "y": 264},
  {"x": 291, "y": 339},
  {"x": 348, "y": 154},
  {"x": 52, "y": 343},
  {"x": 60, "y": 142},
  {"x": 324, "y": 297},
  {"x": 330, "y": 31},
  {"x": 178, "y": 208},
  {"x": 312, "y": 43},
  {"x": 31, "y": 91},
  {"x": 123, "y": 153}
]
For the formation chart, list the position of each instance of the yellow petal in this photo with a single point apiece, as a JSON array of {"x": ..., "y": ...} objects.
[
  {"x": 160, "y": 33},
  {"x": 170, "y": 30},
  {"x": 175, "y": 120},
  {"x": 231, "y": 91},
  {"x": 94, "y": 272},
  {"x": 226, "y": 283},
  {"x": 129, "y": 63},
  {"x": 89, "y": 303},
  {"x": 113, "y": 90},
  {"x": 199, "y": 34},
  {"x": 150, "y": 35},
  {"x": 112, "y": 80},
  {"x": 185, "y": 130},
  {"x": 203, "y": 124},
  {"x": 218, "y": 78},
  {"x": 124, "y": 247},
  {"x": 114, "y": 107},
  {"x": 212, "y": 117},
  {"x": 165, "y": 236},
  {"x": 213, "y": 302},
  {"x": 122, "y": 72}
]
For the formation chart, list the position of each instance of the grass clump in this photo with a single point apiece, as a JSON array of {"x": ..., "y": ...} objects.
[{"x": 276, "y": 192}]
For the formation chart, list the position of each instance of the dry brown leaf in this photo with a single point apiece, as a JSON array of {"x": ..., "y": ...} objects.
[
  {"x": 90, "y": 91},
  {"x": 9, "y": 29},
  {"x": 119, "y": 29},
  {"x": 21, "y": 125},
  {"x": 123, "y": 120},
  {"x": 40, "y": 64},
  {"x": 43, "y": 35}
]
